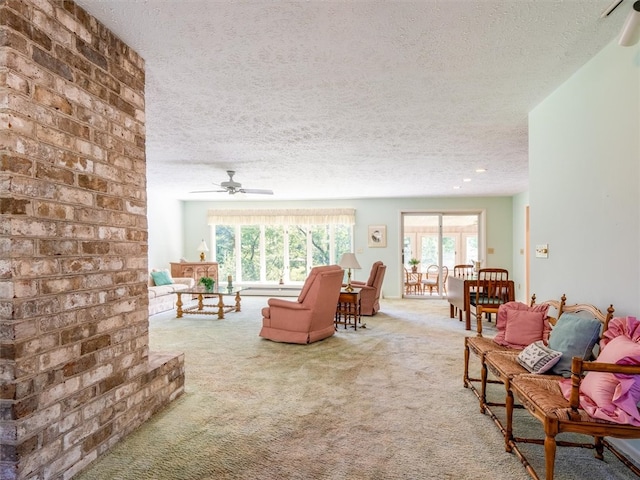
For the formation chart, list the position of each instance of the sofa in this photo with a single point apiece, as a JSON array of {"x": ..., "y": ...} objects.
[{"x": 163, "y": 297}]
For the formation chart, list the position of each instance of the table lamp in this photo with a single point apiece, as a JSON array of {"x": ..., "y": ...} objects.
[
  {"x": 349, "y": 261},
  {"x": 202, "y": 248}
]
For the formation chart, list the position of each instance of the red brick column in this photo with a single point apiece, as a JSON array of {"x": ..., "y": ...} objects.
[{"x": 75, "y": 370}]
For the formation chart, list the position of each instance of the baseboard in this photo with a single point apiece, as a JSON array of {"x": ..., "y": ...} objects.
[
  {"x": 271, "y": 291},
  {"x": 631, "y": 448}
]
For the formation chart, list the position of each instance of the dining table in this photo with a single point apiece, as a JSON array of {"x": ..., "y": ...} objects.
[{"x": 459, "y": 291}]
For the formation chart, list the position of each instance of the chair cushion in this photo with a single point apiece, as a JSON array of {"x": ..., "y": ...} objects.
[
  {"x": 574, "y": 336},
  {"x": 523, "y": 328},
  {"x": 538, "y": 358},
  {"x": 609, "y": 396}
]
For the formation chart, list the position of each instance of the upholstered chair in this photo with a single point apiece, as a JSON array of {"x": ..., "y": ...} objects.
[
  {"x": 371, "y": 289},
  {"x": 309, "y": 318}
]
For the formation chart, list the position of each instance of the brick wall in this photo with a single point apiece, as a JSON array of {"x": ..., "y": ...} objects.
[{"x": 75, "y": 371}]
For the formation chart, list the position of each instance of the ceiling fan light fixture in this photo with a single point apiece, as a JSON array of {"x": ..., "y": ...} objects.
[{"x": 631, "y": 30}]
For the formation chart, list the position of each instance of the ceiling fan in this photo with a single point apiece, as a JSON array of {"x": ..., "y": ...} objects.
[
  {"x": 232, "y": 187},
  {"x": 630, "y": 34}
]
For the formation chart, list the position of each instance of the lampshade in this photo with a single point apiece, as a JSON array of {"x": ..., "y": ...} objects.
[
  {"x": 349, "y": 260},
  {"x": 202, "y": 247},
  {"x": 631, "y": 30}
]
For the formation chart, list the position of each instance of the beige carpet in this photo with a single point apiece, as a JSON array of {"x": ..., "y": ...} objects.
[{"x": 385, "y": 402}]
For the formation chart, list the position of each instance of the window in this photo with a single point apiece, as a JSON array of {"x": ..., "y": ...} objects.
[
  {"x": 280, "y": 245},
  {"x": 225, "y": 236}
]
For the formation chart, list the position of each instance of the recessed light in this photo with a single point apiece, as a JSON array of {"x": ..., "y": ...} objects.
[
  {"x": 456, "y": 187},
  {"x": 466, "y": 179},
  {"x": 481, "y": 170}
]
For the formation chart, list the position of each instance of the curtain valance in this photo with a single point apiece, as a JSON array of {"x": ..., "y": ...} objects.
[{"x": 320, "y": 216}]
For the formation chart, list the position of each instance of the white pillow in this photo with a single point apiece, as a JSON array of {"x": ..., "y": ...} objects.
[{"x": 538, "y": 358}]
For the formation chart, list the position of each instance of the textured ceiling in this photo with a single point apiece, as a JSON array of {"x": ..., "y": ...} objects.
[{"x": 350, "y": 99}]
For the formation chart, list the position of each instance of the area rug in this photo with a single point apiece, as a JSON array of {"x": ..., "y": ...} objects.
[{"x": 382, "y": 402}]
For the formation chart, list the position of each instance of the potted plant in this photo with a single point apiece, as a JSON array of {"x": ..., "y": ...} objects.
[
  {"x": 207, "y": 282},
  {"x": 414, "y": 262}
]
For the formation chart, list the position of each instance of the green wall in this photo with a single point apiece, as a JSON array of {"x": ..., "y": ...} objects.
[
  {"x": 498, "y": 211},
  {"x": 584, "y": 171}
]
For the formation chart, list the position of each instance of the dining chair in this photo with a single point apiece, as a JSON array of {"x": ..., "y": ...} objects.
[
  {"x": 492, "y": 290},
  {"x": 432, "y": 280},
  {"x": 412, "y": 282},
  {"x": 463, "y": 270}
]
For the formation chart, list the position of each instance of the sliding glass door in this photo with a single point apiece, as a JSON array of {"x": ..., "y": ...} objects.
[{"x": 439, "y": 241}]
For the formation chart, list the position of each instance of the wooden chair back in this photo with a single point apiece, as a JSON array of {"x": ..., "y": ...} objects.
[
  {"x": 463, "y": 270},
  {"x": 492, "y": 290},
  {"x": 445, "y": 275},
  {"x": 432, "y": 279},
  {"x": 412, "y": 282},
  {"x": 432, "y": 273}
]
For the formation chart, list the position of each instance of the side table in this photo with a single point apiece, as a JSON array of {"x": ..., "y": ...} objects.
[{"x": 348, "y": 309}]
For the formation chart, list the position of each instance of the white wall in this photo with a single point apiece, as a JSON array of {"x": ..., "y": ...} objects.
[
  {"x": 520, "y": 202},
  {"x": 164, "y": 217},
  {"x": 584, "y": 174},
  {"x": 585, "y": 184},
  {"x": 374, "y": 212}
]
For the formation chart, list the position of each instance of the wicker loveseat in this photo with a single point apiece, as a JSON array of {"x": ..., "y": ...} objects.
[{"x": 577, "y": 404}]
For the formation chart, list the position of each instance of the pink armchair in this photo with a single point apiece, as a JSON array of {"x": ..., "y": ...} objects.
[
  {"x": 311, "y": 317},
  {"x": 370, "y": 293}
]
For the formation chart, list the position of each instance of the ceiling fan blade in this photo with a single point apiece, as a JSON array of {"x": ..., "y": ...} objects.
[
  {"x": 208, "y": 191},
  {"x": 256, "y": 190},
  {"x": 232, "y": 187}
]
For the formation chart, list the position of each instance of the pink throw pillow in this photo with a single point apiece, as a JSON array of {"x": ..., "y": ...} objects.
[
  {"x": 523, "y": 328},
  {"x": 502, "y": 319},
  {"x": 627, "y": 326},
  {"x": 609, "y": 396}
]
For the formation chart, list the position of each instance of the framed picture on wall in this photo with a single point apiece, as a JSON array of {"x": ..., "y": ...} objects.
[{"x": 377, "y": 235}]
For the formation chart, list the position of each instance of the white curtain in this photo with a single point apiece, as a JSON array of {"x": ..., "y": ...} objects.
[{"x": 311, "y": 216}]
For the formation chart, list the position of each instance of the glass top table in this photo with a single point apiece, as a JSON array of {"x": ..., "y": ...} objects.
[{"x": 204, "y": 308}]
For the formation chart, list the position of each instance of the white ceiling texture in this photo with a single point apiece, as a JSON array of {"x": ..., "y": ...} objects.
[{"x": 350, "y": 99}]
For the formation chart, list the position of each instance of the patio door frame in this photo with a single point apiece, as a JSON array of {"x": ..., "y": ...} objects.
[{"x": 481, "y": 214}]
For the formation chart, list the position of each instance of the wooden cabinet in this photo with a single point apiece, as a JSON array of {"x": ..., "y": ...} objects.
[{"x": 195, "y": 270}]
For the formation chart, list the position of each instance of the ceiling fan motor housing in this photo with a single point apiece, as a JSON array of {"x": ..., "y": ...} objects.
[{"x": 231, "y": 186}]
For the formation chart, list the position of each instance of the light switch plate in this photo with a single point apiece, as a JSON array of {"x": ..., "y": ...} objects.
[{"x": 542, "y": 251}]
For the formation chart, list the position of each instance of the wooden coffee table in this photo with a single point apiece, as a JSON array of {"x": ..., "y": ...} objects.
[{"x": 203, "y": 308}]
